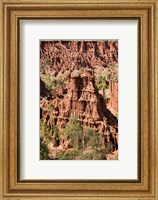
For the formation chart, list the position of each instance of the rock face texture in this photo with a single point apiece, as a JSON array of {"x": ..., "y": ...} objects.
[
  {"x": 82, "y": 100},
  {"x": 113, "y": 103},
  {"x": 65, "y": 56}
]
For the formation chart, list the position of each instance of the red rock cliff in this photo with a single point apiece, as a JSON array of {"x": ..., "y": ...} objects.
[{"x": 113, "y": 103}]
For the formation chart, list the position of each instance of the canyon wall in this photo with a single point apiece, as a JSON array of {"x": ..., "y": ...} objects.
[{"x": 113, "y": 103}]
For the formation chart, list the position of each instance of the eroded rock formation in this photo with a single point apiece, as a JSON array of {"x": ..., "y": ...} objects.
[
  {"x": 74, "y": 67},
  {"x": 65, "y": 56},
  {"x": 82, "y": 100}
]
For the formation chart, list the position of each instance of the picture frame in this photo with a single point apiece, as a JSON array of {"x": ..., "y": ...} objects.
[{"x": 146, "y": 185}]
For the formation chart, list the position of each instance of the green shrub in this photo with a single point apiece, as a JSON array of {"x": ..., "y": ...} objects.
[
  {"x": 44, "y": 129},
  {"x": 70, "y": 155},
  {"x": 51, "y": 83},
  {"x": 92, "y": 155},
  {"x": 74, "y": 132},
  {"x": 55, "y": 134},
  {"x": 47, "y": 61},
  {"x": 50, "y": 107},
  {"x": 101, "y": 84},
  {"x": 43, "y": 150},
  {"x": 47, "y": 80},
  {"x": 92, "y": 138}
]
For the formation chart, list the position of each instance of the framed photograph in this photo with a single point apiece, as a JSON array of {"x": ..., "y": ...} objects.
[{"x": 79, "y": 100}]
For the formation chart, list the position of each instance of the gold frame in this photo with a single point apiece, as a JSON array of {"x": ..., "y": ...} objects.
[{"x": 11, "y": 12}]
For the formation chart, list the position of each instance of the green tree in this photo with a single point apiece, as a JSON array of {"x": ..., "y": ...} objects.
[
  {"x": 94, "y": 141},
  {"x": 74, "y": 132},
  {"x": 44, "y": 128},
  {"x": 70, "y": 155},
  {"x": 101, "y": 84},
  {"x": 55, "y": 134},
  {"x": 44, "y": 152},
  {"x": 92, "y": 138}
]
